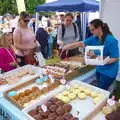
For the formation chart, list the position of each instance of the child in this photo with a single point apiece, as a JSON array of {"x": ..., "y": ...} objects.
[
  {"x": 7, "y": 56},
  {"x": 50, "y": 42}
]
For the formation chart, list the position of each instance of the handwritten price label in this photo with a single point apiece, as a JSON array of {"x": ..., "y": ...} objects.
[
  {"x": 51, "y": 79},
  {"x": 44, "y": 108},
  {"x": 63, "y": 81},
  {"x": 67, "y": 86}
]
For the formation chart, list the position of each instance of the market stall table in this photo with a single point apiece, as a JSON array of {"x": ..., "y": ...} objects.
[
  {"x": 18, "y": 76},
  {"x": 99, "y": 116},
  {"x": 16, "y": 114}
]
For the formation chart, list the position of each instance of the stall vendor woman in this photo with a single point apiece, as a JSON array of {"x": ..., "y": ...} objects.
[{"x": 105, "y": 74}]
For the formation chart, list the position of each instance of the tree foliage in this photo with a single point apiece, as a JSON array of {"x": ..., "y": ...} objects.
[
  {"x": 31, "y": 4},
  {"x": 10, "y": 6}
]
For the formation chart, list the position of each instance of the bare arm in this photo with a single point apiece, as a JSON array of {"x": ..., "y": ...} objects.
[{"x": 73, "y": 45}]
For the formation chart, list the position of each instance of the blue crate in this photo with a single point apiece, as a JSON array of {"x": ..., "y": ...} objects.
[
  {"x": 8, "y": 109},
  {"x": 10, "y": 112},
  {"x": 4, "y": 115}
]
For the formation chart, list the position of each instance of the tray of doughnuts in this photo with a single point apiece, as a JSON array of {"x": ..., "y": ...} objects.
[
  {"x": 85, "y": 101},
  {"x": 28, "y": 92}
]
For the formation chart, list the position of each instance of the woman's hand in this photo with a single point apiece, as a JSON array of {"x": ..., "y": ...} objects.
[
  {"x": 112, "y": 60},
  {"x": 59, "y": 42},
  {"x": 13, "y": 64},
  {"x": 31, "y": 47}
]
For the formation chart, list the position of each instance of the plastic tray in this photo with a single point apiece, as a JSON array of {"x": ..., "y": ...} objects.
[
  {"x": 87, "y": 109},
  {"x": 23, "y": 79},
  {"x": 24, "y": 86}
]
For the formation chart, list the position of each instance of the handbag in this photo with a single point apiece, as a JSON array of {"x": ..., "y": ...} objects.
[{"x": 30, "y": 59}]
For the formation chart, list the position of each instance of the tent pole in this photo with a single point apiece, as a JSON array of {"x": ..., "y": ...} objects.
[
  {"x": 37, "y": 22},
  {"x": 84, "y": 21}
]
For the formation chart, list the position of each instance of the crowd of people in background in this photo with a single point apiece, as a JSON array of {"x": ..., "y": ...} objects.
[
  {"x": 52, "y": 34},
  {"x": 20, "y": 41}
]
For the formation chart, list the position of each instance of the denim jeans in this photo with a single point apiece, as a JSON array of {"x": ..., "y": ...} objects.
[
  {"x": 104, "y": 81},
  {"x": 50, "y": 49}
]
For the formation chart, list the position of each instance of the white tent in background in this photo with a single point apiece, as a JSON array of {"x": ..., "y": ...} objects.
[{"x": 110, "y": 13}]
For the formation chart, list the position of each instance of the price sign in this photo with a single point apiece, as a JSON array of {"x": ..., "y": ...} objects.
[{"x": 44, "y": 108}]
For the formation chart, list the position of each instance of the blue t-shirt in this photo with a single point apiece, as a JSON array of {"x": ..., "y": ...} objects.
[{"x": 110, "y": 49}]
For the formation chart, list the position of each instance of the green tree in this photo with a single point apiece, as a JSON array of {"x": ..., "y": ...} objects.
[
  {"x": 10, "y": 6},
  {"x": 31, "y": 4}
]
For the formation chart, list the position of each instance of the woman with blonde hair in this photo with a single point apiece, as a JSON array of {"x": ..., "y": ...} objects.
[
  {"x": 24, "y": 41},
  {"x": 7, "y": 56}
]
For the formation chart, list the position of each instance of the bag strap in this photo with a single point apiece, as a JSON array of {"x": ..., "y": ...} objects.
[
  {"x": 75, "y": 29},
  {"x": 10, "y": 54},
  {"x": 63, "y": 30}
]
